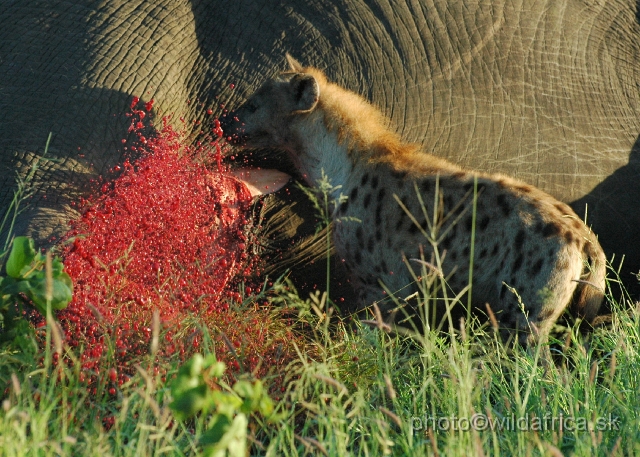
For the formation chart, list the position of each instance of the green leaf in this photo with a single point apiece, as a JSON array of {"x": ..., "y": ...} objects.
[
  {"x": 218, "y": 426},
  {"x": 16, "y": 287},
  {"x": 62, "y": 291},
  {"x": 223, "y": 436},
  {"x": 265, "y": 406},
  {"x": 226, "y": 403},
  {"x": 23, "y": 252},
  {"x": 188, "y": 376},
  {"x": 244, "y": 389},
  {"x": 189, "y": 403},
  {"x": 215, "y": 369}
]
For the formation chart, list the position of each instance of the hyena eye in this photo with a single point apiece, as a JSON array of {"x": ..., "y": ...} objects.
[{"x": 251, "y": 107}]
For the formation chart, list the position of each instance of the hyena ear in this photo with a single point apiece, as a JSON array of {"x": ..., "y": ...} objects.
[
  {"x": 294, "y": 65},
  {"x": 305, "y": 91}
]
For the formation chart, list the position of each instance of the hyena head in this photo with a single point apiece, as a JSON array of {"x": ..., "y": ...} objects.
[{"x": 266, "y": 118}]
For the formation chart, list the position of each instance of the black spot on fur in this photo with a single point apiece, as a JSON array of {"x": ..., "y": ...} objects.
[
  {"x": 385, "y": 269},
  {"x": 354, "y": 194},
  {"x": 469, "y": 223},
  {"x": 378, "y": 219},
  {"x": 517, "y": 264},
  {"x": 564, "y": 209},
  {"x": 503, "y": 204},
  {"x": 357, "y": 258},
  {"x": 378, "y": 235},
  {"x": 401, "y": 220},
  {"x": 372, "y": 281},
  {"x": 344, "y": 206},
  {"x": 367, "y": 200},
  {"x": 370, "y": 244},
  {"x": 494, "y": 251},
  {"x": 448, "y": 203},
  {"x": 503, "y": 291},
  {"x": 483, "y": 253},
  {"x": 347, "y": 247},
  {"x": 466, "y": 251},
  {"x": 484, "y": 223},
  {"x": 536, "y": 267},
  {"x": 519, "y": 241},
  {"x": 359, "y": 237},
  {"x": 446, "y": 243},
  {"x": 365, "y": 179},
  {"x": 507, "y": 253},
  {"x": 413, "y": 228},
  {"x": 425, "y": 186},
  {"x": 550, "y": 229},
  {"x": 399, "y": 224},
  {"x": 399, "y": 175},
  {"x": 568, "y": 236},
  {"x": 374, "y": 182}
]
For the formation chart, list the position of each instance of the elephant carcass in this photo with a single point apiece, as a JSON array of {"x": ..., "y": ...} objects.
[{"x": 545, "y": 91}]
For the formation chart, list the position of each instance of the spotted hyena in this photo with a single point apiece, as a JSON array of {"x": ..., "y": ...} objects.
[{"x": 524, "y": 239}]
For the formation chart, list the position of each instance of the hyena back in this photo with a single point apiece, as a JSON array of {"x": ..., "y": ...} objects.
[{"x": 524, "y": 238}]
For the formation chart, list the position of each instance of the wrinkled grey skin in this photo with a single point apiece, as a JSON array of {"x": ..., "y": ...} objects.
[{"x": 544, "y": 91}]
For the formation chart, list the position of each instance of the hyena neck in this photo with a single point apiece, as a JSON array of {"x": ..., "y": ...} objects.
[
  {"x": 320, "y": 151},
  {"x": 346, "y": 136}
]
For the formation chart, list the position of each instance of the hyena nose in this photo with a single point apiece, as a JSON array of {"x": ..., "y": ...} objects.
[{"x": 231, "y": 126}]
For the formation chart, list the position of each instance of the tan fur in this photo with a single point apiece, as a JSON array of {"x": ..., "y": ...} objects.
[{"x": 524, "y": 237}]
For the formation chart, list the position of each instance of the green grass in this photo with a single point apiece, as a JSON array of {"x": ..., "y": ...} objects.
[
  {"x": 362, "y": 392},
  {"x": 356, "y": 390}
]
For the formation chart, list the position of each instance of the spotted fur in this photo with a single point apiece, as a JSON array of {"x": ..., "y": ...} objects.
[{"x": 524, "y": 238}]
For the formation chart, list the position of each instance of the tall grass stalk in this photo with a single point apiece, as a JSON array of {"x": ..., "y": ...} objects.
[{"x": 22, "y": 192}]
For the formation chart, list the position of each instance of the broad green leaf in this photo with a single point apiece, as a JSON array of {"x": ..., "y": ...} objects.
[
  {"x": 16, "y": 287},
  {"x": 189, "y": 403},
  {"x": 193, "y": 367},
  {"x": 218, "y": 426},
  {"x": 57, "y": 266},
  {"x": 62, "y": 290},
  {"x": 226, "y": 403},
  {"x": 265, "y": 407},
  {"x": 244, "y": 389},
  {"x": 188, "y": 376},
  {"x": 224, "y": 437},
  {"x": 215, "y": 369},
  {"x": 22, "y": 253}
]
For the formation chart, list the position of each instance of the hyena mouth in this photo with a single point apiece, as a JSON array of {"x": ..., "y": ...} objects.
[{"x": 232, "y": 129}]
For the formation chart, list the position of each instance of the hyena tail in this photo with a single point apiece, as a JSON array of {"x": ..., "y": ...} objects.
[{"x": 589, "y": 293}]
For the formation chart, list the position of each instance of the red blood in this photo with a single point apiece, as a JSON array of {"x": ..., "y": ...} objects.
[{"x": 167, "y": 235}]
